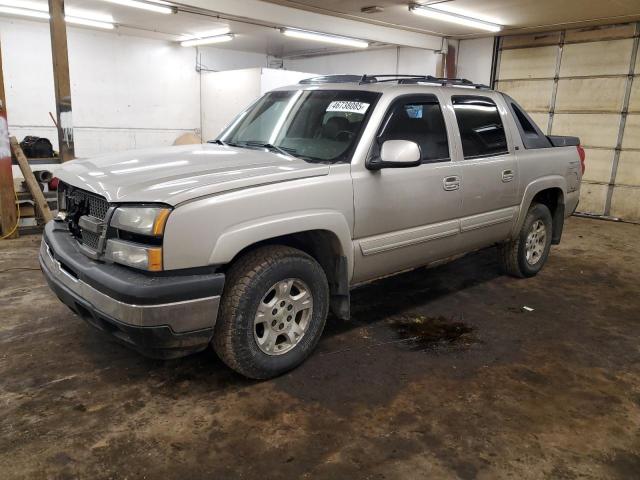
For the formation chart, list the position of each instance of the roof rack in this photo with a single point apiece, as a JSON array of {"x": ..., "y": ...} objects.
[
  {"x": 334, "y": 79},
  {"x": 413, "y": 79},
  {"x": 399, "y": 78}
]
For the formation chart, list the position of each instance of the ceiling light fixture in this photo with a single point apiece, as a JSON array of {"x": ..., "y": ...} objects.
[
  {"x": 323, "y": 37},
  {"x": 431, "y": 12},
  {"x": 209, "y": 33},
  {"x": 24, "y": 13},
  {"x": 88, "y": 22},
  {"x": 208, "y": 40},
  {"x": 159, "y": 7},
  {"x": 87, "y": 15},
  {"x": 28, "y": 4},
  {"x": 36, "y": 10}
]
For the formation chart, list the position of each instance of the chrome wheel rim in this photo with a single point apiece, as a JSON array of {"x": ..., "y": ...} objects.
[
  {"x": 283, "y": 316},
  {"x": 536, "y": 242}
]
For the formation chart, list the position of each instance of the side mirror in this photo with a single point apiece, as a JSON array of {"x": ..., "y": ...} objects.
[{"x": 397, "y": 154}]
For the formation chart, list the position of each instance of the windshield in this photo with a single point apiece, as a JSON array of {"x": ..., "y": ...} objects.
[{"x": 315, "y": 125}]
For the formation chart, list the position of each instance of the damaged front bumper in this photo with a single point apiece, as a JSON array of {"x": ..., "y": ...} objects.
[{"x": 162, "y": 316}]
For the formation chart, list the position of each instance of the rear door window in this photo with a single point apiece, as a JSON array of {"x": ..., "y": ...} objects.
[{"x": 481, "y": 129}]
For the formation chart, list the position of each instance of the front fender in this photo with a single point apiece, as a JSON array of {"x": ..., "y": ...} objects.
[
  {"x": 531, "y": 190},
  {"x": 237, "y": 237}
]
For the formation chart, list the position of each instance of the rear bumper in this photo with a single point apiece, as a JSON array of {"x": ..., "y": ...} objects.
[{"x": 160, "y": 316}]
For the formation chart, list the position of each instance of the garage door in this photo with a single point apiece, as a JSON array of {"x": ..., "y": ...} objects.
[{"x": 585, "y": 82}]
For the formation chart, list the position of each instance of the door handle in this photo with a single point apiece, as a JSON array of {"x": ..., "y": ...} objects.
[
  {"x": 451, "y": 183},
  {"x": 507, "y": 175}
]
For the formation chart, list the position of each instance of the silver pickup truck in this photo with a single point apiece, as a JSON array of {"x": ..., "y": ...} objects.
[{"x": 247, "y": 242}]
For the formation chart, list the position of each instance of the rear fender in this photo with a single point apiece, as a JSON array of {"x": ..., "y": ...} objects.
[{"x": 535, "y": 187}]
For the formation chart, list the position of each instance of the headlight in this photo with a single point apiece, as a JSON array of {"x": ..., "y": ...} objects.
[
  {"x": 130, "y": 249},
  {"x": 142, "y": 220},
  {"x": 135, "y": 255}
]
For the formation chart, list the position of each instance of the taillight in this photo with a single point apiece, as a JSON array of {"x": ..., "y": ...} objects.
[{"x": 582, "y": 155}]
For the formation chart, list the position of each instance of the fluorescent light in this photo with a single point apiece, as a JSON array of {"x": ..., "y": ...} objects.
[
  {"x": 69, "y": 11},
  {"x": 89, "y": 19},
  {"x": 450, "y": 7},
  {"x": 430, "y": 12},
  {"x": 151, "y": 7},
  {"x": 207, "y": 41},
  {"x": 24, "y": 13},
  {"x": 87, "y": 14},
  {"x": 323, "y": 37},
  {"x": 88, "y": 23},
  {"x": 28, "y": 4},
  {"x": 207, "y": 34}
]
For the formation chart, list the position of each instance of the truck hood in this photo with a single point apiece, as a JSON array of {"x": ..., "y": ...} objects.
[{"x": 173, "y": 175}]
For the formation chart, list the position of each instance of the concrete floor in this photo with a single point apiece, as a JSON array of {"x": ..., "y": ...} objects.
[{"x": 440, "y": 374}]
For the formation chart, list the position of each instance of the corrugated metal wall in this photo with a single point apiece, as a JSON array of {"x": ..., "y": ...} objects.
[{"x": 585, "y": 82}]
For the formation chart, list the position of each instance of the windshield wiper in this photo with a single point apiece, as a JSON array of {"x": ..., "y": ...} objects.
[
  {"x": 280, "y": 150},
  {"x": 289, "y": 152},
  {"x": 217, "y": 141}
]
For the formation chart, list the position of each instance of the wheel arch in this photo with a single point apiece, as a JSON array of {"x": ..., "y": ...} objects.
[
  {"x": 325, "y": 236},
  {"x": 550, "y": 191}
]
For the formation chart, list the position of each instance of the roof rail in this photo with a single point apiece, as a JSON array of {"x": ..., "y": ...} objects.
[
  {"x": 396, "y": 77},
  {"x": 333, "y": 79},
  {"x": 414, "y": 79}
]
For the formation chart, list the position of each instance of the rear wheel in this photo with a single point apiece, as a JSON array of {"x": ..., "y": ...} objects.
[
  {"x": 273, "y": 311},
  {"x": 525, "y": 255}
]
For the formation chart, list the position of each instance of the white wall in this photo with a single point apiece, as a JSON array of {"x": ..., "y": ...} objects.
[
  {"x": 414, "y": 61},
  {"x": 389, "y": 60},
  {"x": 474, "y": 59},
  {"x": 219, "y": 59},
  {"x": 127, "y": 92},
  {"x": 272, "y": 78},
  {"x": 226, "y": 94}
]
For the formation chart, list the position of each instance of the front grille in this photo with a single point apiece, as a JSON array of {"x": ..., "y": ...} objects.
[
  {"x": 90, "y": 239},
  {"x": 79, "y": 203},
  {"x": 97, "y": 205}
]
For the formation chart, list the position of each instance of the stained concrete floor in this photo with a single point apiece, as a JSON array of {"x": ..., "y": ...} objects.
[{"x": 440, "y": 374}]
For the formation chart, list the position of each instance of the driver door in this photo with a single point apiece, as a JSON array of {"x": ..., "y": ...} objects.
[{"x": 407, "y": 217}]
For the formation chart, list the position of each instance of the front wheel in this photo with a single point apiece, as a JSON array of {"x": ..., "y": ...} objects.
[
  {"x": 274, "y": 307},
  {"x": 525, "y": 255}
]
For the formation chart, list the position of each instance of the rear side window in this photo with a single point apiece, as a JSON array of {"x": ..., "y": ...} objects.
[
  {"x": 527, "y": 126},
  {"x": 420, "y": 120},
  {"x": 532, "y": 136},
  {"x": 481, "y": 128}
]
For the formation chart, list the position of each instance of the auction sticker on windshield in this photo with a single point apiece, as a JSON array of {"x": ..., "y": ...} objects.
[{"x": 347, "y": 106}]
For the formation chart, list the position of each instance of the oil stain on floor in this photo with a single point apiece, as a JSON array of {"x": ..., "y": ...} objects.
[{"x": 435, "y": 334}]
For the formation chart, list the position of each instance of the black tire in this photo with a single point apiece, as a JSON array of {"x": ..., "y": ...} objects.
[
  {"x": 248, "y": 280},
  {"x": 512, "y": 254}
]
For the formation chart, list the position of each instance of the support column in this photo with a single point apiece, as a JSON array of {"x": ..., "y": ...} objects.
[
  {"x": 451, "y": 66},
  {"x": 8, "y": 217},
  {"x": 62, "y": 83}
]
